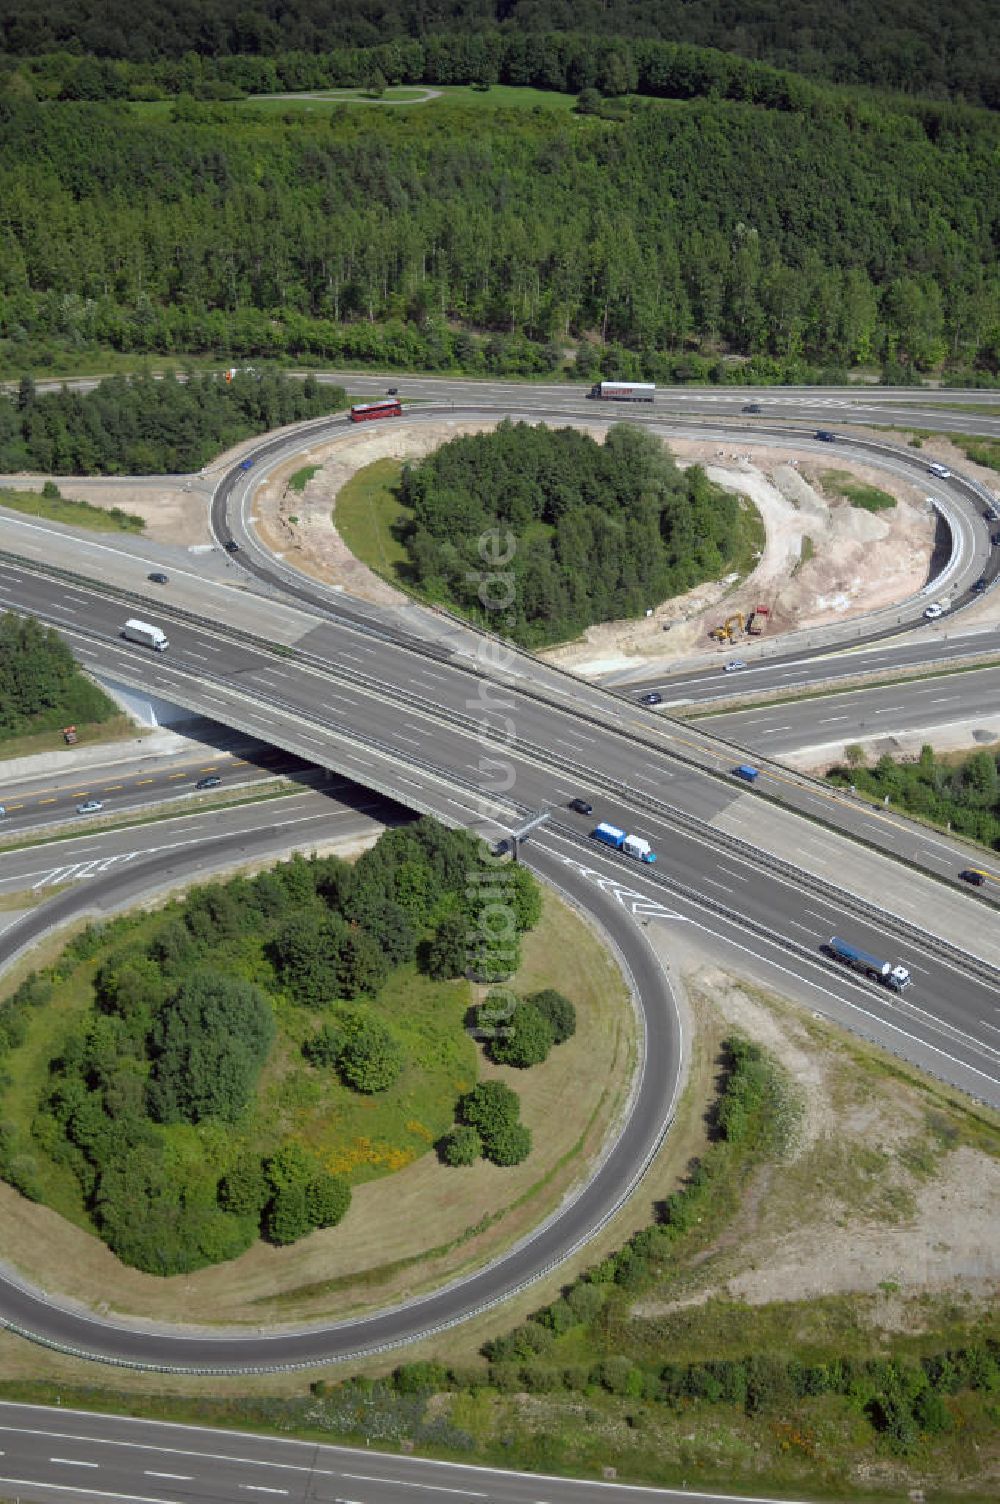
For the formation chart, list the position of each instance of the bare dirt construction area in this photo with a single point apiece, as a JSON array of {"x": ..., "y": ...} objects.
[
  {"x": 173, "y": 511},
  {"x": 824, "y": 560},
  {"x": 892, "y": 1188}
]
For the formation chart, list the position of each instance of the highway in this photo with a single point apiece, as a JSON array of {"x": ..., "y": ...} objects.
[
  {"x": 482, "y": 738},
  {"x": 49, "y": 1454},
  {"x": 883, "y": 710}
]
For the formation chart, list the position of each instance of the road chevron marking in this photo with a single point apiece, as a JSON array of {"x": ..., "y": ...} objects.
[
  {"x": 637, "y": 903},
  {"x": 77, "y": 871}
]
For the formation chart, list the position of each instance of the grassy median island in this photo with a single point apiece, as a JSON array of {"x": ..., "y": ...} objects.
[
  {"x": 91, "y": 1110},
  {"x": 369, "y": 517}
]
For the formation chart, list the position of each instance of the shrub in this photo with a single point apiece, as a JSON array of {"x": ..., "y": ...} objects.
[
  {"x": 558, "y": 1010},
  {"x": 372, "y": 1057},
  {"x": 462, "y": 1146},
  {"x": 509, "y": 1145},
  {"x": 489, "y": 1107},
  {"x": 524, "y": 1040}
]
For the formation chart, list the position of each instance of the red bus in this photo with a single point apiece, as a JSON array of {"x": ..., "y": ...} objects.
[{"x": 389, "y": 407}]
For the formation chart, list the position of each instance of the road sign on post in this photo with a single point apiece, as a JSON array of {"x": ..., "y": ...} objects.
[{"x": 529, "y": 825}]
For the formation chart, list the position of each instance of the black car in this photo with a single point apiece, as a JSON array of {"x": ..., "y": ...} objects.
[
  {"x": 157, "y": 578},
  {"x": 651, "y": 699},
  {"x": 825, "y": 435},
  {"x": 751, "y": 407},
  {"x": 246, "y": 464},
  {"x": 980, "y": 586},
  {"x": 974, "y": 876},
  {"x": 211, "y": 782},
  {"x": 581, "y": 806},
  {"x": 392, "y": 391},
  {"x": 232, "y": 547},
  {"x": 995, "y": 539}
]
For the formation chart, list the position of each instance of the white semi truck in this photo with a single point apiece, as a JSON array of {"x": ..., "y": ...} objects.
[{"x": 148, "y": 636}]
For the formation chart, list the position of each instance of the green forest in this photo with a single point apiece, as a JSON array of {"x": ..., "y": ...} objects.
[
  {"x": 963, "y": 796},
  {"x": 142, "y": 426},
  {"x": 41, "y": 687},
  {"x": 225, "y": 1069},
  {"x": 538, "y": 533},
  {"x": 800, "y": 238},
  {"x": 939, "y": 47}
]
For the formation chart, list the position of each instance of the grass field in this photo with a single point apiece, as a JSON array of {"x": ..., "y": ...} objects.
[
  {"x": 73, "y": 513},
  {"x": 869, "y": 498},
  {"x": 301, "y": 478},
  {"x": 118, "y": 728},
  {"x": 366, "y": 514},
  {"x": 496, "y": 97}
]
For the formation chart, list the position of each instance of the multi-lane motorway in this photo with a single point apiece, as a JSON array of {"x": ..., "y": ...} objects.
[
  {"x": 457, "y": 728},
  {"x": 49, "y": 1454}
]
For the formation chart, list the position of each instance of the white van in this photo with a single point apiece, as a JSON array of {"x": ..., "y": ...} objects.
[{"x": 940, "y": 470}]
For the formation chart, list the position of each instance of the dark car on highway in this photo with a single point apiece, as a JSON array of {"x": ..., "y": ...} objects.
[
  {"x": 246, "y": 464},
  {"x": 980, "y": 586},
  {"x": 232, "y": 547},
  {"x": 581, "y": 806},
  {"x": 157, "y": 577},
  {"x": 651, "y": 699},
  {"x": 974, "y": 876},
  {"x": 211, "y": 782},
  {"x": 751, "y": 407},
  {"x": 825, "y": 435}
]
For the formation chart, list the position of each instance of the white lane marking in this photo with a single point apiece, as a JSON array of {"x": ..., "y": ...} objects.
[
  {"x": 400, "y": 1483},
  {"x": 796, "y": 925},
  {"x": 73, "y": 1462},
  {"x": 73, "y": 1488},
  {"x": 177, "y": 1477},
  {"x": 831, "y": 718},
  {"x": 258, "y": 1488}
]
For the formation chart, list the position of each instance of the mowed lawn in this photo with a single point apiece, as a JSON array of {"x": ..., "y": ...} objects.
[{"x": 366, "y": 515}]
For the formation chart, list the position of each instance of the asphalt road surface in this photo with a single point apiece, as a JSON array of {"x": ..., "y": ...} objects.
[
  {"x": 366, "y": 706},
  {"x": 883, "y": 710},
  {"x": 49, "y": 1454}
]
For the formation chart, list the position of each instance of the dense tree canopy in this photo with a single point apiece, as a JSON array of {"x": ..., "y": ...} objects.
[
  {"x": 963, "y": 796},
  {"x": 937, "y": 47},
  {"x": 840, "y": 233},
  {"x": 157, "y": 1098},
  {"x": 40, "y": 684},
  {"x": 208, "y": 1044},
  {"x": 594, "y": 532},
  {"x": 141, "y": 426}
]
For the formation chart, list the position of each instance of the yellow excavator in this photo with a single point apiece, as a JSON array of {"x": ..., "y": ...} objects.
[{"x": 727, "y": 632}]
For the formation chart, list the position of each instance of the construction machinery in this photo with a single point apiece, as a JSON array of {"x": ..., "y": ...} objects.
[
  {"x": 757, "y": 621},
  {"x": 727, "y": 632}
]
